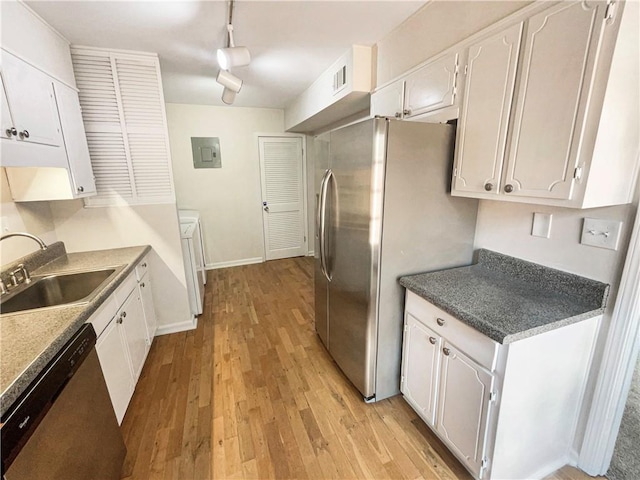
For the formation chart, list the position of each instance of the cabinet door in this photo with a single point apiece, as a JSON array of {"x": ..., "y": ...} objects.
[
  {"x": 420, "y": 365},
  {"x": 134, "y": 332},
  {"x": 432, "y": 87},
  {"x": 75, "y": 141},
  {"x": 554, "y": 84},
  {"x": 6, "y": 122},
  {"x": 486, "y": 105},
  {"x": 150, "y": 318},
  {"x": 388, "y": 101},
  {"x": 114, "y": 361},
  {"x": 464, "y": 401},
  {"x": 32, "y": 102}
]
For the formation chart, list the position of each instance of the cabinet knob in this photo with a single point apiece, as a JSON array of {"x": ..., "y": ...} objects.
[
  {"x": 398, "y": 115},
  {"x": 11, "y": 131},
  {"x": 432, "y": 340},
  {"x": 142, "y": 284},
  {"x": 80, "y": 189},
  {"x": 488, "y": 187},
  {"x": 508, "y": 188},
  {"x": 440, "y": 321},
  {"x": 406, "y": 112},
  {"x": 446, "y": 351},
  {"x": 124, "y": 314},
  {"x": 119, "y": 320},
  {"x": 24, "y": 134},
  {"x": 143, "y": 265}
]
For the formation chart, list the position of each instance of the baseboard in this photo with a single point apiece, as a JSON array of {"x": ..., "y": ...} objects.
[
  {"x": 178, "y": 327},
  {"x": 233, "y": 263},
  {"x": 549, "y": 468},
  {"x": 311, "y": 253}
]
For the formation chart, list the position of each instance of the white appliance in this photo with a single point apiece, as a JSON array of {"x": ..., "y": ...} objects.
[{"x": 193, "y": 256}]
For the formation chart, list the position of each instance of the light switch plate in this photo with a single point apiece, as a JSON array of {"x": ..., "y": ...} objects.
[
  {"x": 541, "y": 225},
  {"x": 206, "y": 152},
  {"x": 600, "y": 232}
]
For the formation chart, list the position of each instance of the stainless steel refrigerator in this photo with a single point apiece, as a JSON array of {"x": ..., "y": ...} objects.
[{"x": 383, "y": 210}]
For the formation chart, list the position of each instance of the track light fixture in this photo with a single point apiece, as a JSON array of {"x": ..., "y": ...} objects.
[{"x": 228, "y": 57}]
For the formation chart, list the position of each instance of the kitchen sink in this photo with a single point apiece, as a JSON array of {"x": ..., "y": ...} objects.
[{"x": 58, "y": 289}]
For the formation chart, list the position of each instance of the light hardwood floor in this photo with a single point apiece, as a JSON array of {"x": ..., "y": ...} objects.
[{"x": 252, "y": 393}]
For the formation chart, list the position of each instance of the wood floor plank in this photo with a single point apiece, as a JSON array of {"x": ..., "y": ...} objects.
[{"x": 252, "y": 393}]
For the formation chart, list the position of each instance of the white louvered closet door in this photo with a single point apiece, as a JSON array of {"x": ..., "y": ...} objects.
[
  {"x": 124, "y": 117},
  {"x": 282, "y": 197}
]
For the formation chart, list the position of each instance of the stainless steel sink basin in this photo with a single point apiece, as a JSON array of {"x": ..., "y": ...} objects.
[{"x": 58, "y": 289}]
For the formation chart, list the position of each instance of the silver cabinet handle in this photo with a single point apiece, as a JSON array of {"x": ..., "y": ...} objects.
[
  {"x": 124, "y": 314},
  {"x": 440, "y": 321},
  {"x": 488, "y": 187},
  {"x": 143, "y": 265},
  {"x": 508, "y": 188},
  {"x": 142, "y": 284},
  {"x": 446, "y": 351},
  {"x": 24, "y": 134},
  {"x": 11, "y": 132},
  {"x": 398, "y": 115},
  {"x": 119, "y": 320},
  {"x": 80, "y": 189},
  {"x": 406, "y": 112},
  {"x": 432, "y": 340}
]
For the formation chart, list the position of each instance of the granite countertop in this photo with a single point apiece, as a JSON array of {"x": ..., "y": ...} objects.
[
  {"x": 508, "y": 299},
  {"x": 29, "y": 340}
]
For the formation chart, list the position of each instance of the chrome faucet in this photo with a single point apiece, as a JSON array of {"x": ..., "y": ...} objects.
[{"x": 43, "y": 246}]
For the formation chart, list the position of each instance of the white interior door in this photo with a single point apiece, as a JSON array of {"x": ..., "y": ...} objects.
[{"x": 282, "y": 177}]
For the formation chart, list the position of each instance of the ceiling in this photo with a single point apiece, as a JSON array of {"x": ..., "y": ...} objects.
[{"x": 291, "y": 42}]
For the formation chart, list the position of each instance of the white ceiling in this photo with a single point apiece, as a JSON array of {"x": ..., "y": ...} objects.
[{"x": 291, "y": 42}]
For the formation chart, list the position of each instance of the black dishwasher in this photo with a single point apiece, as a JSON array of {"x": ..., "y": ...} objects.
[{"x": 63, "y": 426}]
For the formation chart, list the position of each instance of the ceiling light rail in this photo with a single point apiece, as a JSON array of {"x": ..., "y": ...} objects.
[{"x": 228, "y": 57}]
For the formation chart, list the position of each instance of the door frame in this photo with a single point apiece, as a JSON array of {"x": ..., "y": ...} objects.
[
  {"x": 305, "y": 184},
  {"x": 616, "y": 368}
]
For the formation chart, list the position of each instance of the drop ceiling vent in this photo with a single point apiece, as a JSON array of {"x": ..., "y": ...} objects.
[{"x": 340, "y": 79}]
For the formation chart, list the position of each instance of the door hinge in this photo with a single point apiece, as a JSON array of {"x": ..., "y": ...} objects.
[
  {"x": 484, "y": 464},
  {"x": 610, "y": 12},
  {"x": 493, "y": 396},
  {"x": 401, "y": 381},
  {"x": 455, "y": 172},
  {"x": 577, "y": 173},
  {"x": 466, "y": 69}
]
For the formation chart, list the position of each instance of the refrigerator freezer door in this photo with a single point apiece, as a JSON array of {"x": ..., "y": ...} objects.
[
  {"x": 321, "y": 148},
  {"x": 355, "y": 193}
]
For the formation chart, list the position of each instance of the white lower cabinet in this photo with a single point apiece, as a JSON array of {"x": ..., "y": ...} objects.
[
  {"x": 504, "y": 410},
  {"x": 122, "y": 326},
  {"x": 151, "y": 321}
]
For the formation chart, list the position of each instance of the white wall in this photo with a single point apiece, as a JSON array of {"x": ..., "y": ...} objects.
[
  {"x": 434, "y": 28},
  {"x": 228, "y": 198},
  {"x": 31, "y": 217},
  {"x": 113, "y": 227}
]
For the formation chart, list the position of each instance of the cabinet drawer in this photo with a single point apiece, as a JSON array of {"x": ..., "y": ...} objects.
[
  {"x": 142, "y": 267},
  {"x": 126, "y": 287},
  {"x": 473, "y": 343},
  {"x": 101, "y": 317}
]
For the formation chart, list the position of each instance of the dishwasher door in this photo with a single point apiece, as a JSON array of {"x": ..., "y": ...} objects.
[{"x": 78, "y": 438}]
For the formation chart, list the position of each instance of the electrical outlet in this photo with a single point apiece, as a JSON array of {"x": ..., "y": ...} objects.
[
  {"x": 600, "y": 232},
  {"x": 541, "y": 225}
]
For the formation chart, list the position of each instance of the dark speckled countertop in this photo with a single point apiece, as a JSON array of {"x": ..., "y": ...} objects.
[
  {"x": 29, "y": 340},
  {"x": 509, "y": 299}
]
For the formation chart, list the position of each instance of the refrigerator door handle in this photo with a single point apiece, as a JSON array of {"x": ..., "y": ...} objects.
[
  {"x": 319, "y": 206},
  {"x": 323, "y": 217}
]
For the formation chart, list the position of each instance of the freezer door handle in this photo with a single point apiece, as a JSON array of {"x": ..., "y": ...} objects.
[
  {"x": 323, "y": 218},
  {"x": 319, "y": 206}
]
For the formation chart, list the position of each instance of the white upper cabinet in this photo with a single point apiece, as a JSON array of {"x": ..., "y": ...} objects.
[
  {"x": 43, "y": 142},
  {"x": 482, "y": 128},
  {"x": 537, "y": 122},
  {"x": 556, "y": 71},
  {"x": 432, "y": 87},
  {"x": 427, "y": 94},
  {"x": 32, "y": 102}
]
